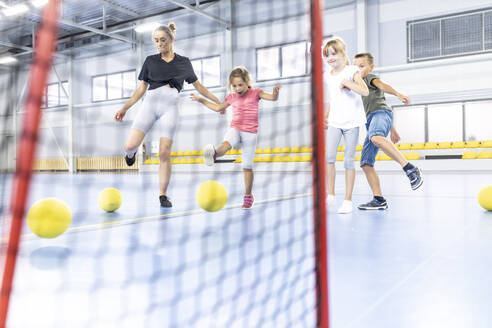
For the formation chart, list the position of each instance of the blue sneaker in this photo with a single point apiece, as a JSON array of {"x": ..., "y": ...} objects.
[
  {"x": 374, "y": 204},
  {"x": 415, "y": 177}
]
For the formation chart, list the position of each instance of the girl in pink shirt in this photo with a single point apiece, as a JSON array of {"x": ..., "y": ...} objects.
[{"x": 244, "y": 126}]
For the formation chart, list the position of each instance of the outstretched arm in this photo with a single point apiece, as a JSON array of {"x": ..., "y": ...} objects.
[
  {"x": 137, "y": 94},
  {"x": 204, "y": 91},
  {"x": 357, "y": 86},
  {"x": 389, "y": 89},
  {"x": 218, "y": 107},
  {"x": 271, "y": 96}
]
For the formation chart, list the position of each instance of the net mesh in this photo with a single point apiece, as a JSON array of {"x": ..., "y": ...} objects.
[{"x": 147, "y": 266}]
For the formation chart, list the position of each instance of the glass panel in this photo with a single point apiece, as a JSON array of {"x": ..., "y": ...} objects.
[
  {"x": 477, "y": 121},
  {"x": 129, "y": 84},
  {"x": 487, "y": 28},
  {"x": 462, "y": 34},
  {"x": 99, "y": 88},
  {"x": 63, "y": 96},
  {"x": 211, "y": 71},
  {"x": 268, "y": 66},
  {"x": 53, "y": 95},
  {"x": 425, "y": 40},
  {"x": 445, "y": 122},
  {"x": 410, "y": 123},
  {"x": 115, "y": 86},
  {"x": 294, "y": 59},
  {"x": 197, "y": 67}
]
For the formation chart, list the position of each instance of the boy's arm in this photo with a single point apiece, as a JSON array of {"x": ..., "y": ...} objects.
[
  {"x": 358, "y": 85},
  {"x": 270, "y": 96},
  {"x": 219, "y": 107},
  {"x": 386, "y": 88}
]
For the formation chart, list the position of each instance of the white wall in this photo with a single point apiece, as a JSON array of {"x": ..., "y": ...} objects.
[
  {"x": 284, "y": 123},
  {"x": 392, "y": 48}
]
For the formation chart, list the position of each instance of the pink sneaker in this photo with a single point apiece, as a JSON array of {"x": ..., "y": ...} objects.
[{"x": 248, "y": 202}]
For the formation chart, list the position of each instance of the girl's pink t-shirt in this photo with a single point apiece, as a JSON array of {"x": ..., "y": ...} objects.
[{"x": 245, "y": 110}]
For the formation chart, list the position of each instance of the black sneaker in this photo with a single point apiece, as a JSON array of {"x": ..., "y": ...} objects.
[
  {"x": 130, "y": 160},
  {"x": 165, "y": 202},
  {"x": 415, "y": 177},
  {"x": 374, "y": 204}
]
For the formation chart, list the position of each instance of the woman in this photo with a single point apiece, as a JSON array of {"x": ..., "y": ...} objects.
[{"x": 163, "y": 75}]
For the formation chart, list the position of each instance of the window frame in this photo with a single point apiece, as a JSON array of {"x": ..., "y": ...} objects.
[
  {"x": 187, "y": 86},
  {"x": 440, "y": 19},
  {"x": 280, "y": 46},
  {"x": 60, "y": 91},
  {"x": 106, "y": 85}
]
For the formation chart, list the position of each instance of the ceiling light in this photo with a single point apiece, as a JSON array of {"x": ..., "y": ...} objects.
[
  {"x": 18, "y": 9},
  {"x": 147, "y": 27},
  {"x": 39, "y": 3},
  {"x": 8, "y": 60}
]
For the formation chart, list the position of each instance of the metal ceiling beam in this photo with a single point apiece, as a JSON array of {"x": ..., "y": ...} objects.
[
  {"x": 82, "y": 27},
  {"x": 119, "y": 8},
  {"x": 201, "y": 12},
  {"x": 95, "y": 30},
  {"x": 160, "y": 16},
  {"x": 90, "y": 29},
  {"x": 28, "y": 50},
  {"x": 12, "y": 45}
]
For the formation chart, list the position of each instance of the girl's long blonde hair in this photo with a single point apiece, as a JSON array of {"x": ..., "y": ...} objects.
[
  {"x": 242, "y": 72},
  {"x": 339, "y": 46}
]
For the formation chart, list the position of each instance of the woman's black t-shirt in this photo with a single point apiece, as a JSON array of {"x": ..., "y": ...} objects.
[{"x": 158, "y": 72}]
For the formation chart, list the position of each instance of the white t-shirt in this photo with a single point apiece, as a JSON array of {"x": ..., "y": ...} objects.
[{"x": 346, "y": 107}]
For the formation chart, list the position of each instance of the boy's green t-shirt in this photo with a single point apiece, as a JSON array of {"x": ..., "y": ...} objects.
[{"x": 375, "y": 100}]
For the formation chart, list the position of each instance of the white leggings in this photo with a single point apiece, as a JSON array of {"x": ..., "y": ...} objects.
[
  {"x": 350, "y": 136},
  {"x": 248, "y": 141},
  {"x": 159, "y": 105}
]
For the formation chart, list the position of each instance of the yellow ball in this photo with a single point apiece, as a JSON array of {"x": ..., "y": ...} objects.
[
  {"x": 49, "y": 218},
  {"x": 485, "y": 198},
  {"x": 109, "y": 199},
  {"x": 211, "y": 196}
]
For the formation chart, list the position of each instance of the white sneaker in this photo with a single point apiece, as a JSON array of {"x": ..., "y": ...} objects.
[
  {"x": 330, "y": 199},
  {"x": 346, "y": 207},
  {"x": 209, "y": 154}
]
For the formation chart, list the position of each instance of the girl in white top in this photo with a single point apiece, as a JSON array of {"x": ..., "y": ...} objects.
[{"x": 343, "y": 117}]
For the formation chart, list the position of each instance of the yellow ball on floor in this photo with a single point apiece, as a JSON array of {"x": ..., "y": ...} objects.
[
  {"x": 109, "y": 199},
  {"x": 485, "y": 198},
  {"x": 211, "y": 196},
  {"x": 49, "y": 218}
]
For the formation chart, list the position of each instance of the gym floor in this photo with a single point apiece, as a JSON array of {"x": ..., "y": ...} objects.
[{"x": 424, "y": 262}]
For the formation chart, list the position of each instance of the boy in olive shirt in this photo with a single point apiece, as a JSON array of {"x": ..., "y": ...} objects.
[{"x": 379, "y": 124}]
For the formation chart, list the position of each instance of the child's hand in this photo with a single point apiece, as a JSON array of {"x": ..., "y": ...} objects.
[
  {"x": 404, "y": 99},
  {"x": 222, "y": 111},
  {"x": 394, "y": 136},
  {"x": 194, "y": 97},
  {"x": 276, "y": 90},
  {"x": 325, "y": 122},
  {"x": 344, "y": 85},
  {"x": 119, "y": 115}
]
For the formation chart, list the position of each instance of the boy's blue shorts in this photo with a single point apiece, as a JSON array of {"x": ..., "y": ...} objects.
[{"x": 379, "y": 123}]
